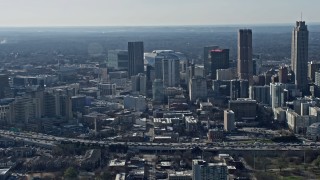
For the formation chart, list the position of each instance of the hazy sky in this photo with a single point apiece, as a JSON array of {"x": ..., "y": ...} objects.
[{"x": 154, "y": 12}]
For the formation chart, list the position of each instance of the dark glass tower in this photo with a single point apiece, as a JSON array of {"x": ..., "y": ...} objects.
[
  {"x": 219, "y": 60},
  {"x": 136, "y": 56},
  {"x": 245, "y": 64},
  {"x": 299, "y": 55}
]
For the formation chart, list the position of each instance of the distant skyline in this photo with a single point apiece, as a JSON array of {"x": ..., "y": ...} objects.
[{"x": 155, "y": 12}]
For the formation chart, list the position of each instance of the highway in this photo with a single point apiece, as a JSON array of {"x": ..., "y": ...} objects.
[{"x": 50, "y": 141}]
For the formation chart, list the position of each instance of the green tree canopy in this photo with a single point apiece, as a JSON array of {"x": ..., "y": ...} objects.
[{"x": 71, "y": 173}]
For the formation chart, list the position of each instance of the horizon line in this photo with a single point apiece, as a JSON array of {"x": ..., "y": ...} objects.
[{"x": 157, "y": 25}]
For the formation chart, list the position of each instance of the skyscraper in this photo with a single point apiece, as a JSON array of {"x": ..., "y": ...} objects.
[
  {"x": 157, "y": 91},
  {"x": 219, "y": 60},
  {"x": 4, "y": 85},
  {"x": 139, "y": 83},
  {"x": 312, "y": 68},
  {"x": 198, "y": 89},
  {"x": 245, "y": 65},
  {"x": 171, "y": 73},
  {"x": 136, "y": 53},
  {"x": 283, "y": 74},
  {"x": 118, "y": 59},
  {"x": 299, "y": 55},
  {"x": 206, "y": 57}
]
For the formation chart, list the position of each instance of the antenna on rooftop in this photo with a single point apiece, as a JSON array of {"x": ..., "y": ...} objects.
[{"x": 301, "y": 15}]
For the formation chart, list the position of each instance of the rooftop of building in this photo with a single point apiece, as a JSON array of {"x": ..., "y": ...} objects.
[
  {"x": 244, "y": 100},
  {"x": 229, "y": 111},
  {"x": 117, "y": 163},
  {"x": 120, "y": 176},
  {"x": 206, "y": 104},
  {"x": 180, "y": 173},
  {"x": 166, "y": 164},
  {"x": 190, "y": 119},
  {"x": 4, "y": 171},
  {"x": 315, "y": 125},
  {"x": 163, "y": 120}
]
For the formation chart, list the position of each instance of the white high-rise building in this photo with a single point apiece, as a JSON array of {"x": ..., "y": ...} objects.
[
  {"x": 171, "y": 72},
  {"x": 209, "y": 171},
  {"x": 229, "y": 120},
  {"x": 276, "y": 94}
]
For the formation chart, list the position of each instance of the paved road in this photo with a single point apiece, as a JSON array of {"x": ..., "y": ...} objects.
[{"x": 51, "y": 141}]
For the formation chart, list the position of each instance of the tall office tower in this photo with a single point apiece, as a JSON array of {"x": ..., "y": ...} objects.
[
  {"x": 150, "y": 73},
  {"x": 4, "y": 85},
  {"x": 283, "y": 74},
  {"x": 118, "y": 59},
  {"x": 50, "y": 103},
  {"x": 207, "y": 58},
  {"x": 65, "y": 106},
  {"x": 171, "y": 73},
  {"x": 103, "y": 75},
  {"x": 277, "y": 95},
  {"x": 317, "y": 78},
  {"x": 199, "y": 70},
  {"x": 268, "y": 75},
  {"x": 26, "y": 109},
  {"x": 239, "y": 89},
  {"x": 158, "y": 67},
  {"x": 316, "y": 87},
  {"x": 201, "y": 170},
  {"x": 219, "y": 60},
  {"x": 312, "y": 68},
  {"x": 136, "y": 56},
  {"x": 260, "y": 93},
  {"x": 228, "y": 120},
  {"x": 139, "y": 84},
  {"x": 245, "y": 65},
  {"x": 198, "y": 89},
  {"x": 299, "y": 55},
  {"x": 7, "y": 111},
  {"x": 157, "y": 91},
  {"x": 254, "y": 67}
]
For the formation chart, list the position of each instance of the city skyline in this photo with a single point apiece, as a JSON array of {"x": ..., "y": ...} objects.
[{"x": 154, "y": 13}]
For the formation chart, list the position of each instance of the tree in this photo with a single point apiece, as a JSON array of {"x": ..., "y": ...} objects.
[
  {"x": 71, "y": 173},
  {"x": 267, "y": 162},
  {"x": 317, "y": 162},
  {"x": 281, "y": 164},
  {"x": 106, "y": 176}
]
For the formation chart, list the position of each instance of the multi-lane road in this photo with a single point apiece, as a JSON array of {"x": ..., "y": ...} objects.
[{"x": 49, "y": 141}]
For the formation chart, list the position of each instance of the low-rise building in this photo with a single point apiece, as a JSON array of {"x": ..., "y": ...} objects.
[
  {"x": 313, "y": 131},
  {"x": 244, "y": 109},
  {"x": 206, "y": 171},
  {"x": 136, "y": 103},
  {"x": 117, "y": 165},
  {"x": 215, "y": 135},
  {"x": 297, "y": 123},
  {"x": 191, "y": 123},
  {"x": 280, "y": 114}
]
